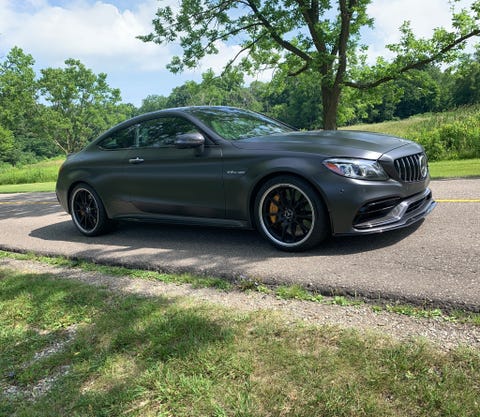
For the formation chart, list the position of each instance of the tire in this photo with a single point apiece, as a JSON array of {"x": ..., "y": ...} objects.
[
  {"x": 88, "y": 212},
  {"x": 290, "y": 214}
]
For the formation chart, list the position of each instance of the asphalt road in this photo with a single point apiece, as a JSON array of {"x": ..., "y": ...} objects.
[{"x": 436, "y": 262}]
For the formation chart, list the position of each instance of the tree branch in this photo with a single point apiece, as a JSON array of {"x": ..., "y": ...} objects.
[
  {"x": 414, "y": 65},
  {"x": 232, "y": 32},
  {"x": 310, "y": 14},
  {"x": 276, "y": 37},
  {"x": 299, "y": 71},
  {"x": 341, "y": 45},
  {"x": 249, "y": 46}
]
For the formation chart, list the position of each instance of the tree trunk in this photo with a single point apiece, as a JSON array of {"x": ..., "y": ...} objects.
[{"x": 330, "y": 100}]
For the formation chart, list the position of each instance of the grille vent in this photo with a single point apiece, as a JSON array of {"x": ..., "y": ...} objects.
[{"x": 412, "y": 168}]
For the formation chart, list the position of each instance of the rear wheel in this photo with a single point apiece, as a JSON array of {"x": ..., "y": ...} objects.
[
  {"x": 88, "y": 212},
  {"x": 290, "y": 214}
]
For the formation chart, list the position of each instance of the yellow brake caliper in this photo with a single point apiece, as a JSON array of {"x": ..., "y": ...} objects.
[{"x": 274, "y": 209}]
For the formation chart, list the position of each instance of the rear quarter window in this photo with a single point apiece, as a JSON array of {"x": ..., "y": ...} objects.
[{"x": 121, "y": 139}]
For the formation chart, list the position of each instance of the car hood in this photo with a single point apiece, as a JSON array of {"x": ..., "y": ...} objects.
[{"x": 346, "y": 143}]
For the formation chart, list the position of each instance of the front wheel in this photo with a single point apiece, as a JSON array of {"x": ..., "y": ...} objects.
[
  {"x": 290, "y": 214},
  {"x": 88, "y": 212}
]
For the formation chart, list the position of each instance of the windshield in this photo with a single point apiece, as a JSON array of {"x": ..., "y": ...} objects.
[{"x": 237, "y": 124}]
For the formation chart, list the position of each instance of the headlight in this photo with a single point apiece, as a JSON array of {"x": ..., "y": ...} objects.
[{"x": 360, "y": 169}]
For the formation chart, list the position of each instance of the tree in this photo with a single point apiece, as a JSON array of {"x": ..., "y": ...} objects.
[
  {"x": 466, "y": 84},
  {"x": 229, "y": 89},
  {"x": 18, "y": 102},
  {"x": 421, "y": 93},
  {"x": 6, "y": 144},
  {"x": 151, "y": 103},
  {"x": 317, "y": 36},
  {"x": 294, "y": 100},
  {"x": 81, "y": 104}
]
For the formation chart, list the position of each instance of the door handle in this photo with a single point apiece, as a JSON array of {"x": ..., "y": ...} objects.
[{"x": 136, "y": 160}]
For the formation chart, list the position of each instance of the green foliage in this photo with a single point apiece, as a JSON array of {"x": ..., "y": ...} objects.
[
  {"x": 18, "y": 105},
  {"x": 447, "y": 135},
  {"x": 82, "y": 105},
  {"x": 18, "y": 90},
  {"x": 227, "y": 89},
  {"x": 151, "y": 103},
  {"x": 321, "y": 37},
  {"x": 6, "y": 143},
  {"x": 465, "y": 88},
  {"x": 45, "y": 171}
]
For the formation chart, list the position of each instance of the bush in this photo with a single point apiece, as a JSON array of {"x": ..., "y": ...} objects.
[
  {"x": 449, "y": 135},
  {"x": 445, "y": 136}
]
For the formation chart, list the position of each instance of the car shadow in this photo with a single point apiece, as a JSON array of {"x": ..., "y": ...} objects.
[
  {"x": 195, "y": 240},
  {"x": 229, "y": 254}
]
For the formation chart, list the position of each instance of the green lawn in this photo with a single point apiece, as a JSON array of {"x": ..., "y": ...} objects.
[
  {"x": 27, "y": 188},
  {"x": 71, "y": 349},
  {"x": 452, "y": 169}
]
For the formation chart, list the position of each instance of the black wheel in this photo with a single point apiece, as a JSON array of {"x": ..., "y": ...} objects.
[
  {"x": 88, "y": 212},
  {"x": 290, "y": 214}
]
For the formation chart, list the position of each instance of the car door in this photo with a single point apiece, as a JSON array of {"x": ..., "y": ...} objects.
[{"x": 164, "y": 180}]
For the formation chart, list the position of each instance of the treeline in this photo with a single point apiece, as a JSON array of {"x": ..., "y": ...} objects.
[
  {"x": 58, "y": 112},
  {"x": 297, "y": 99},
  {"x": 63, "y": 108}
]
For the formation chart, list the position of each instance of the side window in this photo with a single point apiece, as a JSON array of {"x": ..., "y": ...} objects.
[
  {"x": 121, "y": 139},
  {"x": 163, "y": 131}
]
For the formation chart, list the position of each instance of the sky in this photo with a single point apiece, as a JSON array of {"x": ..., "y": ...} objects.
[{"x": 102, "y": 35}]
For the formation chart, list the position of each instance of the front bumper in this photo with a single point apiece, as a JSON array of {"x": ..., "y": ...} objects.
[{"x": 392, "y": 214}]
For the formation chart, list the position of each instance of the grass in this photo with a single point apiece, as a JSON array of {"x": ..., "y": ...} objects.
[
  {"x": 285, "y": 292},
  {"x": 41, "y": 172},
  {"x": 452, "y": 169},
  {"x": 27, "y": 188},
  {"x": 194, "y": 280},
  {"x": 108, "y": 354},
  {"x": 419, "y": 123}
]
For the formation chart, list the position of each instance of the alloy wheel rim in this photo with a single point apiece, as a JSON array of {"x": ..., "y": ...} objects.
[
  {"x": 287, "y": 215},
  {"x": 85, "y": 210}
]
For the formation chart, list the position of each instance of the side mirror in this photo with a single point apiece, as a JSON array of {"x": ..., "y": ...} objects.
[{"x": 189, "y": 140}]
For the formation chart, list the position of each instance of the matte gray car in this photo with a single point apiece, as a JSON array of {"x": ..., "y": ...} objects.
[{"x": 229, "y": 167}]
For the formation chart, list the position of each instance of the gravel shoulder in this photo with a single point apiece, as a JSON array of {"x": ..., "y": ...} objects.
[{"x": 444, "y": 335}]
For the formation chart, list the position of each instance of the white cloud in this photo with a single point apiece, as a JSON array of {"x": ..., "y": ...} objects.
[
  {"x": 103, "y": 37},
  {"x": 102, "y": 34},
  {"x": 423, "y": 15},
  {"x": 98, "y": 34}
]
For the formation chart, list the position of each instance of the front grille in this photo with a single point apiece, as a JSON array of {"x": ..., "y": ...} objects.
[{"x": 412, "y": 168}]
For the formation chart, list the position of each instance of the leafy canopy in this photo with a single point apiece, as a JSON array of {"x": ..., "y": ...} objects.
[
  {"x": 81, "y": 104},
  {"x": 318, "y": 36}
]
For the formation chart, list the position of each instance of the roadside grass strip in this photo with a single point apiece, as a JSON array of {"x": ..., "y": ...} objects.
[
  {"x": 245, "y": 284},
  {"x": 102, "y": 353}
]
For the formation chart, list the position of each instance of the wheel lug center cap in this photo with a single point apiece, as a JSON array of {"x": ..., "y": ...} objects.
[{"x": 288, "y": 214}]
